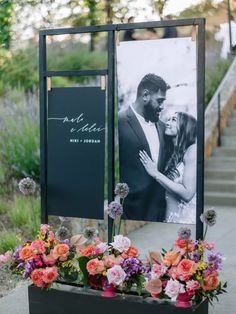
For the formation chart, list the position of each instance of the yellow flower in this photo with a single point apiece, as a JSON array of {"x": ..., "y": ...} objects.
[{"x": 104, "y": 273}]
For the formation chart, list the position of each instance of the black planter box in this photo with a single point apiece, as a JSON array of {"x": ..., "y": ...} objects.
[{"x": 65, "y": 299}]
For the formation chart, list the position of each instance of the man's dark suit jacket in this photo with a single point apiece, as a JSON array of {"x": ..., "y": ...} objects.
[{"x": 146, "y": 199}]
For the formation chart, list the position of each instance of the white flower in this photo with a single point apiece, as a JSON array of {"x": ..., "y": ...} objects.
[
  {"x": 173, "y": 288},
  {"x": 121, "y": 243},
  {"x": 116, "y": 275}
]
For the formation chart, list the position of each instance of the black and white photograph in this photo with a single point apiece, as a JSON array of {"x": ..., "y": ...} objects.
[{"x": 157, "y": 126}]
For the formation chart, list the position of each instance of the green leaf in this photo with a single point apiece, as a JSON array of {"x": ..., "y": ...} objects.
[{"x": 83, "y": 260}]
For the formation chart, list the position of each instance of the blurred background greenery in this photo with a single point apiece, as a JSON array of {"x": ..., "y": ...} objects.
[{"x": 19, "y": 103}]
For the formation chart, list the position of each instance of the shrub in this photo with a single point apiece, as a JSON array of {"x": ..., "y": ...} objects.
[
  {"x": 19, "y": 144},
  {"x": 8, "y": 241},
  {"x": 214, "y": 76}
]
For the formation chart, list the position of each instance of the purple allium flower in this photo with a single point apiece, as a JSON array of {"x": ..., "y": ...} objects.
[
  {"x": 132, "y": 266},
  {"x": 209, "y": 217},
  {"x": 115, "y": 210},
  {"x": 121, "y": 190},
  {"x": 27, "y": 186},
  {"x": 90, "y": 233},
  {"x": 66, "y": 241},
  {"x": 184, "y": 233}
]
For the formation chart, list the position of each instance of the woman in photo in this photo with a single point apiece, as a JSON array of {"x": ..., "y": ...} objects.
[{"x": 179, "y": 176}]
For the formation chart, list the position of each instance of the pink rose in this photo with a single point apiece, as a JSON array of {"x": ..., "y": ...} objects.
[
  {"x": 5, "y": 257},
  {"x": 121, "y": 243},
  {"x": 172, "y": 272},
  {"x": 186, "y": 269},
  {"x": 61, "y": 251},
  {"x": 49, "y": 260},
  {"x": 158, "y": 270},
  {"x": 153, "y": 286},
  {"x": 101, "y": 247},
  {"x": 209, "y": 246},
  {"x": 95, "y": 266},
  {"x": 191, "y": 286},
  {"x": 173, "y": 288},
  {"x": 109, "y": 260},
  {"x": 38, "y": 246},
  {"x": 116, "y": 275},
  {"x": 50, "y": 274}
]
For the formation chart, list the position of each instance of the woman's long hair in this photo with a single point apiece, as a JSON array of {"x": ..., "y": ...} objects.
[{"x": 186, "y": 136}]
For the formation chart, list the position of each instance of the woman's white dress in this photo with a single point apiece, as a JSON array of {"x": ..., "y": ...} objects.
[{"x": 179, "y": 211}]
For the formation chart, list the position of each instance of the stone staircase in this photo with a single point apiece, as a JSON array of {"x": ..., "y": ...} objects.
[{"x": 220, "y": 173}]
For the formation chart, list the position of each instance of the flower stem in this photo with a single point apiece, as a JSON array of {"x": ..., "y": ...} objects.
[{"x": 205, "y": 233}]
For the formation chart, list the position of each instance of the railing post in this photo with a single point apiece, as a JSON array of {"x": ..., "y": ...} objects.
[{"x": 219, "y": 120}]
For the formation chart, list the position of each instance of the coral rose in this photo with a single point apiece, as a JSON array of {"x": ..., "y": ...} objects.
[
  {"x": 50, "y": 274},
  {"x": 171, "y": 258},
  {"x": 49, "y": 260},
  {"x": 26, "y": 252},
  {"x": 95, "y": 266},
  {"x": 211, "y": 282},
  {"x": 37, "y": 277},
  {"x": 61, "y": 251},
  {"x": 184, "y": 245},
  {"x": 186, "y": 269},
  {"x": 109, "y": 260},
  {"x": 154, "y": 286},
  {"x": 131, "y": 252}
]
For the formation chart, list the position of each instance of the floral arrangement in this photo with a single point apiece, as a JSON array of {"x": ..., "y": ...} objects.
[
  {"x": 45, "y": 259},
  {"x": 187, "y": 272}
]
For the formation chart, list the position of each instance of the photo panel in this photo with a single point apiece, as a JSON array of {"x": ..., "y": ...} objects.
[{"x": 158, "y": 128}]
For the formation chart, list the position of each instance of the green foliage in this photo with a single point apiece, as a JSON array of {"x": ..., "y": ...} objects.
[
  {"x": 8, "y": 241},
  {"x": 19, "y": 144},
  {"x": 6, "y": 8},
  {"x": 214, "y": 76},
  {"x": 83, "y": 260},
  {"x": 3, "y": 207},
  {"x": 21, "y": 69},
  {"x": 25, "y": 212}
]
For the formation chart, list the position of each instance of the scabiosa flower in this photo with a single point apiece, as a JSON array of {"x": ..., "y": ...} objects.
[
  {"x": 121, "y": 190},
  {"x": 27, "y": 186},
  {"x": 62, "y": 233},
  {"x": 184, "y": 233},
  {"x": 215, "y": 260},
  {"x": 115, "y": 210},
  {"x": 209, "y": 217},
  {"x": 132, "y": 266},
  {"x": 90, "y": 233}
]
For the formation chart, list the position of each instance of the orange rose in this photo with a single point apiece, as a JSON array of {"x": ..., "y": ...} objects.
[
  {"x": 131, "y": 252},
  {"x": 183, "y": 244},
  {"x": 211, "y": 282},
  {"x": 61, "y": 251},
  {"x": 186, "y": 269},
  {"x": 171, "y": 258},
  {"x": 88, "y": 251},
  {"x": 153, "y": 286},
  {"x": 26, "y": 252}
]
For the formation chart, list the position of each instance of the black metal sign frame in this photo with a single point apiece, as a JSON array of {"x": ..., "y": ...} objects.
[{"x": 111, "y": 30}]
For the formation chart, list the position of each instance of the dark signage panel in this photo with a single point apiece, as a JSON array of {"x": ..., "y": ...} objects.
[{"x": 76, "y": 152}]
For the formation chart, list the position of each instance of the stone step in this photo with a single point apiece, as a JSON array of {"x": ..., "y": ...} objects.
[
  {"x": 219, "y": 199},
  {"x": 224, "y": 152},
  {"x": 220, "y": 186},
  {"x": 232, "y": 121},
  {"x": 222, "y": 162},
  {"x": 228, "y": 141},
  {"x": 229, "y": 131},
  {"x": 220, "y": 174}
]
